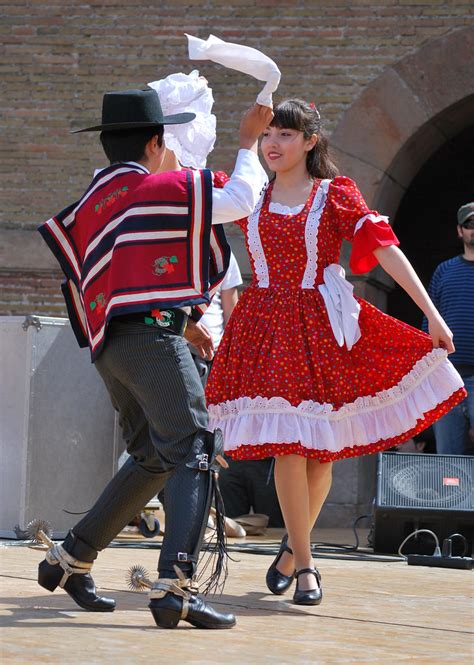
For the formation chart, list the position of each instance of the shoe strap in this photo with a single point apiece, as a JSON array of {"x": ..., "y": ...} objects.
[
  {"x": 57, "y": 555},
  {"x": 284, "y": 546},
  {"x": 180, "y": 585},
  {"x": 164, "y": 585},
  {"x": 185, "y": 608},
  {"x": 313, "y": 571}
]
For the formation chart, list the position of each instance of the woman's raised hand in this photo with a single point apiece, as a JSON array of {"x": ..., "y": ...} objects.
[
  {"x": 253, "y": 123},
  {"x": 441, "y": 335}
]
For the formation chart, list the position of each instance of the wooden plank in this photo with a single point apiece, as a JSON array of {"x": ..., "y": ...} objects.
[{"x": 372, "y": 612}]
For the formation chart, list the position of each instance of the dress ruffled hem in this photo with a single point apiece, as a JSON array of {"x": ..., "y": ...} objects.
[
  {"x": 277, "y": 449},
  {"x": 368, "y": 424}
]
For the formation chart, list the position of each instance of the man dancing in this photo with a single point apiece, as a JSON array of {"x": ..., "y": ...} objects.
[{"x": 135, "y": 250}]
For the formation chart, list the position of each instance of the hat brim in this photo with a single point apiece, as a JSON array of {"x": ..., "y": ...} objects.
[{"x": 176, "y": 119}]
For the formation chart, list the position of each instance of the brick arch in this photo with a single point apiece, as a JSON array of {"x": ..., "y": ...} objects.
[{"x": 404, "y": 116}]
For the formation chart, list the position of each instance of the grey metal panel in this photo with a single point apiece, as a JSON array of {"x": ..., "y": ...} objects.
[
  {"x": 13, "y": 384},
  {"x": 58, "y": 448}
]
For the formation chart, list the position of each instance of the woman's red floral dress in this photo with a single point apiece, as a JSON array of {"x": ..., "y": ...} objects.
[{"x": 300, "y": 369}]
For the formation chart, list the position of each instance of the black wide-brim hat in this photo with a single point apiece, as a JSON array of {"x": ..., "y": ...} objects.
[{"x": 133, "y": 109}]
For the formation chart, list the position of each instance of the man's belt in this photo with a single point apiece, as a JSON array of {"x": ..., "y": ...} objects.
[{"x": 172, "y": 321}]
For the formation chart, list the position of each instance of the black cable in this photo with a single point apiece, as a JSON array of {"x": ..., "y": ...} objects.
[
  {"x": 266, "y": 550},
  {"x": 464, "y": 540},
  {"x": 345, "y": 548},
  {"x": 69, "y": 512},
  {"x": 320, "y": 550}
]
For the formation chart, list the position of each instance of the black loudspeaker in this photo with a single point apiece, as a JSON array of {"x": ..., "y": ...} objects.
[{"x": 420, "y": 491}]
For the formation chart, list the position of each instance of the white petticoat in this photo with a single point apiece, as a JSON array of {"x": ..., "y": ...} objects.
[{"x": 369, "y": 419}]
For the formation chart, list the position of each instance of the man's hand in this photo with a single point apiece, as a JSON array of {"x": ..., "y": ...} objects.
[
  {"x": 200, "y": 337},
  {"x": 253, "y": 123}
]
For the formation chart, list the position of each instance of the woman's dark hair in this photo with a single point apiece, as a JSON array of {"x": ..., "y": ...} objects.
[
  {"x": 298, "y": 114},
  {"x": 128, "y": 145}
]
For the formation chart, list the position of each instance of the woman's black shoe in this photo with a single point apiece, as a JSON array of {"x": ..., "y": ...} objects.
[
  {"x": 276, "y": 581},
  {"x": 80, "y": 586},
  {"x": 167, "y": 612},
  {"x": 311, "y": 597}
]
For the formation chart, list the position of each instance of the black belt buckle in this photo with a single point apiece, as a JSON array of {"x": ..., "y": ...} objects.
[{"x": 169, "y": 320}]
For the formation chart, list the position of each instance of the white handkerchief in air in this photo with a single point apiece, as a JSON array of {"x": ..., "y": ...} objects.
[{"x": 244, "y": 59}]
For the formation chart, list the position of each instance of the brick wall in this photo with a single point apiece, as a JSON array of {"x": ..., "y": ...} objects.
[
  {"x": 59, "y": 56},
  {"x": 36, "y": 292}
]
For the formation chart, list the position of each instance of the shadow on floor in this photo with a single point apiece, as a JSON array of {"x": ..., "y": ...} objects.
[{"x": 60, "y": 611}]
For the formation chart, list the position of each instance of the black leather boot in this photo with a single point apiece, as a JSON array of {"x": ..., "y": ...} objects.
[
  {"x": 188, "y": 496},
  {"x": 276, "y": 581},
  {"x": 170, "y": 603},
  {"x": 60, "y": 568}
]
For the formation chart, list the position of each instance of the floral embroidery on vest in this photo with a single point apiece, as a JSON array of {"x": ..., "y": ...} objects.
[
  {"x": 98, "y": 303},
  {"x": 164, "y": 265},
  {"x": 110, "y": 199}
]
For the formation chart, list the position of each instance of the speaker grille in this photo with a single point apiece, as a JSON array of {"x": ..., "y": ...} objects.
[{"x": 426, "y": 481}]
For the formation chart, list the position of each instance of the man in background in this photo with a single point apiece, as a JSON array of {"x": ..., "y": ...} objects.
[{"x": 452, "y": 291}]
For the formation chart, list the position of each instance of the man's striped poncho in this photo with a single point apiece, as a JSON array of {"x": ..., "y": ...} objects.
[{"x": 136, "y": 241}]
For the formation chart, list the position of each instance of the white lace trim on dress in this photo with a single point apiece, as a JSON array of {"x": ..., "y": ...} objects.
[
  {"x": 311, "y": 234},
  {"x": 280, "y": 209},
  {"x": 389, "y": 413},
  {"x": 256, "y": 247}
]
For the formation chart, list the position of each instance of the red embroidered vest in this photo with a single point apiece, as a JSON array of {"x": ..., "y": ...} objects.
[{"x": 136, "y": 241}]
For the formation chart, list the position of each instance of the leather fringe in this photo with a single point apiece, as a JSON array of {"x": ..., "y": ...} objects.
[{"x": 216, "y": 556}]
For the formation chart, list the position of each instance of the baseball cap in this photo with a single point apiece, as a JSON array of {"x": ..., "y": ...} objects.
[{"x": 465, "y": 212}]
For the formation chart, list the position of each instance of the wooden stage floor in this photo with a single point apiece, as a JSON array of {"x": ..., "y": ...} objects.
[{"x": 372, "y": 612}]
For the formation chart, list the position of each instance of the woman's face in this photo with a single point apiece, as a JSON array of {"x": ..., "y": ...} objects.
[{"x": 285, "y": 149}]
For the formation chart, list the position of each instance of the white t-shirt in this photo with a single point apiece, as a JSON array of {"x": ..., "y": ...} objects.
[{"x": 213, "y": 317}]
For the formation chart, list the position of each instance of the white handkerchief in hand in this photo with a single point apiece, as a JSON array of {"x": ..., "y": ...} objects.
[
  {"x": 242, "y": 58},
  {"x": 341, "y": 306}
]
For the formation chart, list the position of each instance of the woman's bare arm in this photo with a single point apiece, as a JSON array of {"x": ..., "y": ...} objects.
[{"x": 396, "y": 264}]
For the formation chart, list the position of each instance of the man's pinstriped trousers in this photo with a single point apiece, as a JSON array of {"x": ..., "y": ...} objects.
[{"x": 154, "y": 384}]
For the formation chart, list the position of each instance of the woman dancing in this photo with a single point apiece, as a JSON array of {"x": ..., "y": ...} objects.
[{"x": 306, "y": 372}]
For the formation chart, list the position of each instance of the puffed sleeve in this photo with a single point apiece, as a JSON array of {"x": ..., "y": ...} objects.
[
  {"x": 219, "y": 179},
  {"x": 354, "y": 221}
]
